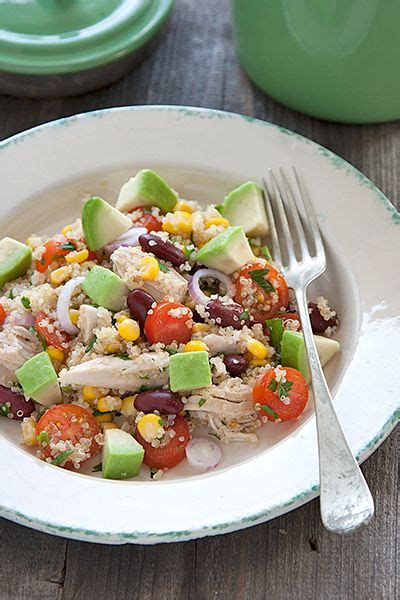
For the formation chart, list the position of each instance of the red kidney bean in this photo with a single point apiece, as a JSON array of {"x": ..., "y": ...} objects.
[
  {"x": 162, "y": 249},
  {"x": 13, "y": 405},
  {"x": 139, "y": 304},
  {"x": 166, "y": 402},
  {"x": 318, "y": 323},
  {"x": 226, "y": 314},
  {"x": 236, "y": 364}
]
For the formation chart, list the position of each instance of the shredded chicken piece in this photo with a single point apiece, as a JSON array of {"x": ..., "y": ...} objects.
[
  {"x": 147, "y": 370},
  {"x": 226, "y": 408},
  {"x": 223, "y": 344},
  {"x": 17, "y": 345}
]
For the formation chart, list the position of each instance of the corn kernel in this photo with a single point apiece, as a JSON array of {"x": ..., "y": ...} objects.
[
  {"x": 150, "y": 427},
  {"x": 73, "y": 315},
  {"x": 106, "y": 426},
  {"x": 91, "y": 393},
  {"x": 104, "y": 418},
  {"x": 257, "y": 349},
  {"x": 151, "y": 268},
  {"x": 257, "y": 362},
  {"x": 128, "y": 406},
  {"x": 129, "y": 330},
  {"x": 178, "y": 223},
  {"x": 198, "y": 327},
  {"x": 55, "y": 353},
  {"x": 77, "y": 257},
  {"x": 60, "y": 275},
  {"x": 121, "y": 318},
  {"x": 107, "y": 403},
  {"x": 66, "y": 229},
  {"x": 217, "y": 221},
  {"x": 195, "y": 346},
  {"x": 184, "y": 206}
]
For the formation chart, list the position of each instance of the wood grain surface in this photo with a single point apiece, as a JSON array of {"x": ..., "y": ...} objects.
[{"x": 291, "y": 557}]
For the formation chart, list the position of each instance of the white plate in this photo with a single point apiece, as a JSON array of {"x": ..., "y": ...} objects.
[{"x": 203, "y": 154}]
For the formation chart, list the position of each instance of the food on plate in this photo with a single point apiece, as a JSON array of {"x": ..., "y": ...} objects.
[{"x": 152, "y": 333}]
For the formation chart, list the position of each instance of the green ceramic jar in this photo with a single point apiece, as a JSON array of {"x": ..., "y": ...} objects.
[
  {"x": 334, "y": 59},
  {"x": 64, "y": 47}
]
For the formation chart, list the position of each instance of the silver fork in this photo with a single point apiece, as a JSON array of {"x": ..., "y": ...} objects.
[{"x": 345, "y": 499}]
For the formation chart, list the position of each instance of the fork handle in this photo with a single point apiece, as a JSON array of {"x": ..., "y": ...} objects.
[{"x": 345, "y": 499}]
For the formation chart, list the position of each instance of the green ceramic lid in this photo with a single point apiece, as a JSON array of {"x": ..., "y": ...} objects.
[{"x": 63, "y": 36}]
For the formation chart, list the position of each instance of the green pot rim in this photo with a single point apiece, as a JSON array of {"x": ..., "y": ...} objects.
[{"x": 96, "y": 45}]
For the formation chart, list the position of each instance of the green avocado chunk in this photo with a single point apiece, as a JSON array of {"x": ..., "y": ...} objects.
[
  {"x": 15, "y": 260},
  {"x": 146, "y": 189},
  {"x": 102, "y": 223},
  {"x": 39, "y": 380},
  {"x": 245, "y": 206},
  {"x": 189, "y": 371},
  {"x": 105, "y": 288},
  {"x": 227, "y": 252},
  {"x": 294, "y": 354},
  {"x": 122, "y": 455}
]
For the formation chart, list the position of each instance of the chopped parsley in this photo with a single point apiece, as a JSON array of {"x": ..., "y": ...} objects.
[
  {"x": 245, "y": 315},
  {"x": 4, "y": 410},
  {"x": 91, "y": 344},
  {"x": 282, "y": 388},
  {"x": 123, "y": 355},
  {"x": 97, "y": 413},
  {"x": 58, "y": 460},
  {"x": 220, "y": 208},
  {"x": 164, "y": 268},
  {"x": 258, "y": 276},
  {"x": 67, "y": 246},
  {"x": 264, "y": 251},
  {"x": 143, "y": 388},
  {"x": 201, "y": 402},
  {"x": 11, "y": 294},
  {"x": 97, "y": 468},
  {"x": 42, "y": 439},
  {"x": 162, "y": 422},
  {"x": 171, "y": 351},
  {"x": 269, "y": 411},
  {"x": 26, "y": 303},
  {"x": 147, "y": 210}
]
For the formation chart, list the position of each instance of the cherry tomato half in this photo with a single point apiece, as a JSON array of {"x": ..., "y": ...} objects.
[
  {"x": 267, "y": 393},
  {"x": 71, "y": 423},
  {"x": 54, "y": 252},
  {"x": 172, "y": 452},
  {"x": 52, "y": 336},
  {"x": 3, "y": 315},
  {"x": 263, "y": 301},
  {"x": 148, "y": 220},
  {"x": 169, "y": 322}
]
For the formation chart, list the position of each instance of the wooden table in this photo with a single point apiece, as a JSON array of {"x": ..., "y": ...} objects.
[{"x": 291, "y": 557}]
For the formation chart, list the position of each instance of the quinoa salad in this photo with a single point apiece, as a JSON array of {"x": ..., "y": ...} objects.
[{"x": 152, "y": 332}]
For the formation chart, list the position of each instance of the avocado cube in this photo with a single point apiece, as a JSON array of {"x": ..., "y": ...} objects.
[
  {"x": 189, "y": 371},
  {"x": 122, "y": 455},
  {"x": 105, "y": 288},
  {"x": 245, "y": 206},
  {"x": 227, "y": 252},
  {"x": 102, "y": 223},
  {"x": 39, "y": 380},
  {"x": 146, "y": 189},
  {"x": 15, "y": 260}
]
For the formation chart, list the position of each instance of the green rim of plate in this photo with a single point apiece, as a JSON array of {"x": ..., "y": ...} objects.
[{"x": 67, "y": 36}]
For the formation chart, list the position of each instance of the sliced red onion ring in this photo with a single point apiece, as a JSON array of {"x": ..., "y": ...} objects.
[
  {"x": 25, "y": 319},
  {"x": 194, "y": 284},
  {"x": 64, "y": 300},
  {"x": 129, "y": 238},
  {"x": 203, "y": 454}
]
